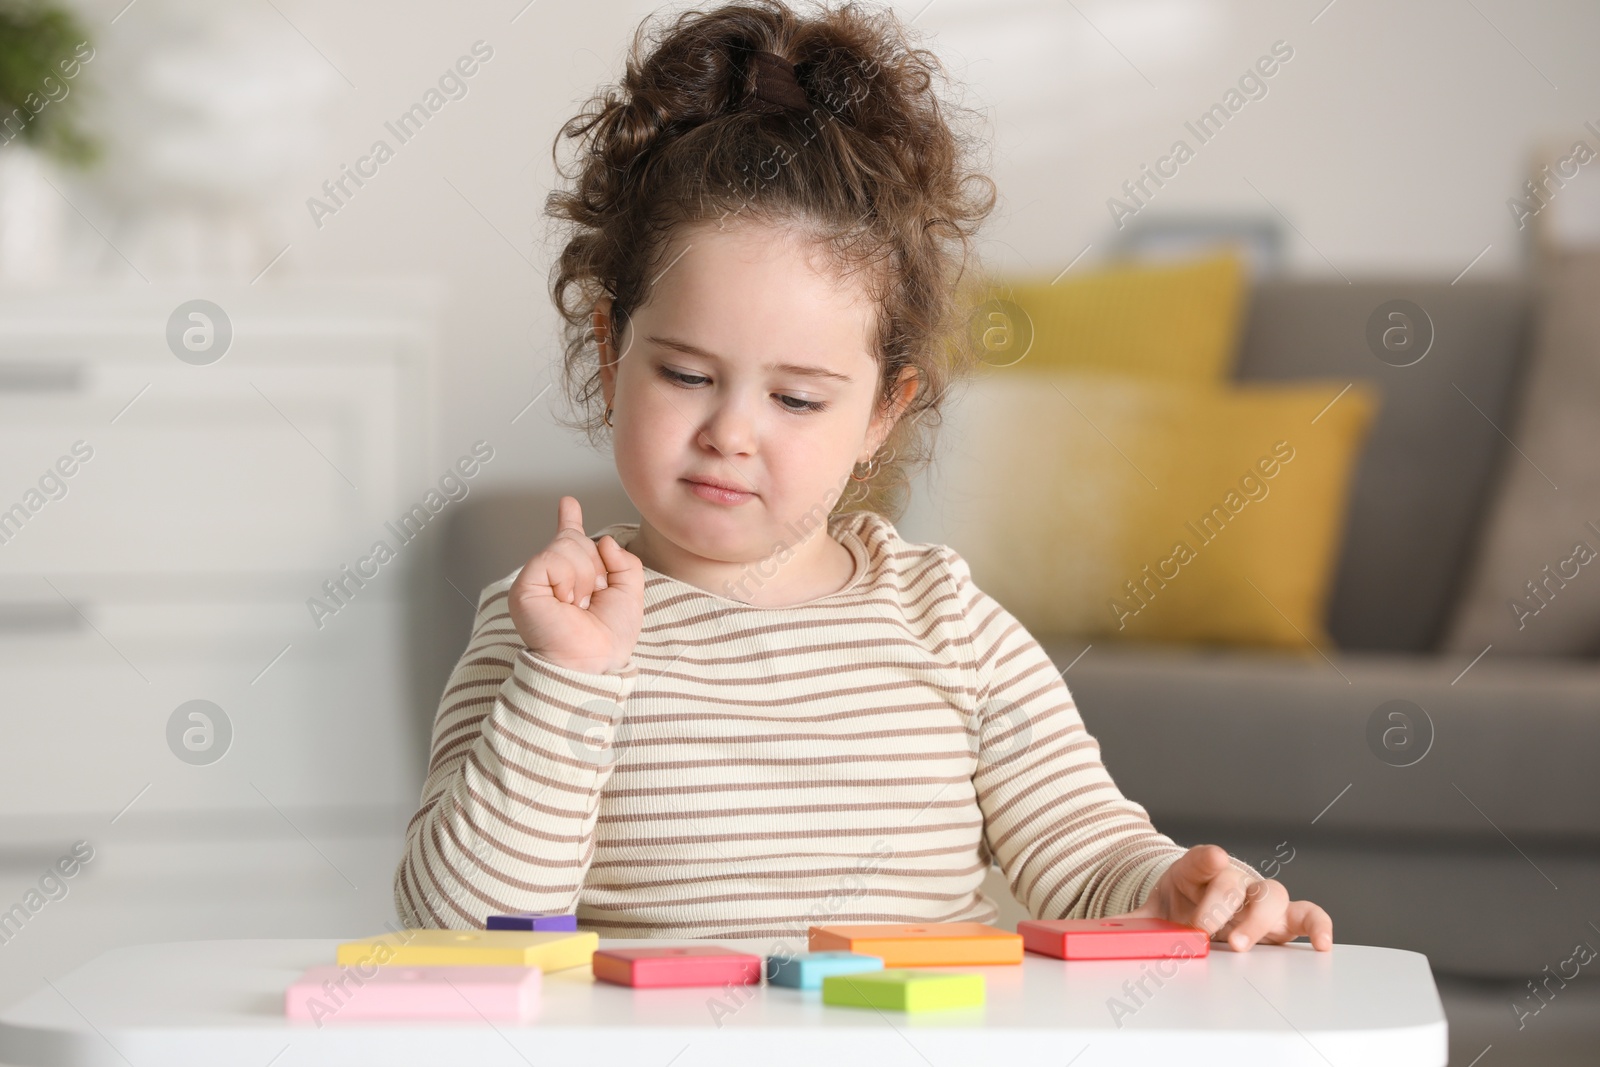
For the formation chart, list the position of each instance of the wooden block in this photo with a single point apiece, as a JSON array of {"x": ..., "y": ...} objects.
[
  {"x": 529, "y": 920},
  {"x": 904, "y": 990},
  {"x": 344, "y": 994},
  {"x": 921, "y": 944},
  {"x": 807, "y": 971},
  {"x": 676, "y": 965},
  {"x": 1113, "y": 939},
  {"x": 546, "y": 950}
]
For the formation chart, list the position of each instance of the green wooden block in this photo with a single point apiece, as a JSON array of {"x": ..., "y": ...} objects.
[{"x": 903, "y": 990}]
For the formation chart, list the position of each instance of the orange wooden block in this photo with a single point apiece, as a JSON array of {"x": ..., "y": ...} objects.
[{"x": 921, "y": 944}]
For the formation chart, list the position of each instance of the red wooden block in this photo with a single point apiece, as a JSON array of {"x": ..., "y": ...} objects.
[
  {"x": 676, "y": 966},
  {"x": 1112, "y": 939}
]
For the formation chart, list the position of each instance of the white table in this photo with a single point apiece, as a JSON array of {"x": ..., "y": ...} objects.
[{"x": 211, "y": 1003}]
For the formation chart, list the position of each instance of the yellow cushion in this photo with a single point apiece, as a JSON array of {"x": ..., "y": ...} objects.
[
  {"x": 1107, "y": 506},
  {"x": 1178, "y": 322}
]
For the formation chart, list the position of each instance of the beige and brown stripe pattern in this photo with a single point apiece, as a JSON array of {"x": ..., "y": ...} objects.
[{"x": 859, "y": 758}]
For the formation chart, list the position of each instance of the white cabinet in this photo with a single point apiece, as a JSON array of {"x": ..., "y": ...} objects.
[{"x": 175, "y": 562}]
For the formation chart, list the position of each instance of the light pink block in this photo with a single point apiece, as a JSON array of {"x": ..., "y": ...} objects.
[{"x": 336, "y": 994}]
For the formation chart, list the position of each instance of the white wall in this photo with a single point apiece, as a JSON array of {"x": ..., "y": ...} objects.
[{"x": 1390, "y": 142}]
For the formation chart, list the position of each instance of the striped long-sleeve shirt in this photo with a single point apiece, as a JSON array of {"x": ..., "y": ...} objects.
[{"x": 861, "y": 757}]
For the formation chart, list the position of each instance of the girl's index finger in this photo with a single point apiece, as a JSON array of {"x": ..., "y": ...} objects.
[{"x": 569, "y": 515}]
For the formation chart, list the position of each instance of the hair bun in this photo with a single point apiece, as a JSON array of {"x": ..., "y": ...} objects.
[{"x": 774, "y": 87}]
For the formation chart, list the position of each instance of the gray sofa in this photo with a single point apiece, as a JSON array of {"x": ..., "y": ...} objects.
[{"x": 1484, "y": 853}]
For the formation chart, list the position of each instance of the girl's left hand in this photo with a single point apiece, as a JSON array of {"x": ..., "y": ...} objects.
[{"x": 1202, "y": 889}]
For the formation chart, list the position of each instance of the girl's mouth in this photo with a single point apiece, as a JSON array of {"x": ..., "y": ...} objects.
[{"x": 718, "y": 494}]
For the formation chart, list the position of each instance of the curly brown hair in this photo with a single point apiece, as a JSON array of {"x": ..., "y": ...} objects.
[{"x": 874, "y": 172}]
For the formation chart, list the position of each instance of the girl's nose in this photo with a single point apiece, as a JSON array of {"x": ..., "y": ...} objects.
[{"x": 728, "y": 430}]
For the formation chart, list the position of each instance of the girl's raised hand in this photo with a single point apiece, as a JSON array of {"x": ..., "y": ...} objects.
[
  {"x": 1202, "y": 889},
  {"x": 579, "y": 603}
]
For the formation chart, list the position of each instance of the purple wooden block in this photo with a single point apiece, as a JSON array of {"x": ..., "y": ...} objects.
[{"x": 528, "y": 920}]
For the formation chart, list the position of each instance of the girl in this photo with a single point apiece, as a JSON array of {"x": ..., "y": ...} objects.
[{"x": 758, "y": 707}]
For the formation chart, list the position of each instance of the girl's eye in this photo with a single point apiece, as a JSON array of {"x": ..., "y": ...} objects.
[
  {"x": 794, "y": 403},
  {"x": 684, "y": 379},
  {"x": 790, "y": 403}
]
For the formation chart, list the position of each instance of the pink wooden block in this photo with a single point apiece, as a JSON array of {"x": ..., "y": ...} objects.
[{"x": 338, "y": 994}]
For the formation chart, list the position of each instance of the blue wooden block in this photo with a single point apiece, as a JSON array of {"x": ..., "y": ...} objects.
[
  {"x": 807, "y": 971},
  {"x": 527, "y": 920}
]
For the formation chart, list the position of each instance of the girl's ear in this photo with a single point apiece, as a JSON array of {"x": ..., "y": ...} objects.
[
  {"x": 600, "y": 329},
  {"x": 884, "y": 420},
  {"x": 905, "y": 390}
]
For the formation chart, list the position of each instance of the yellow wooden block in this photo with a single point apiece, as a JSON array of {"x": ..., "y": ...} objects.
[{"x": 553, "y": 950}]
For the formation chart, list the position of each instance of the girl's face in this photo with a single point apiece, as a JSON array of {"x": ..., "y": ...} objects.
[{"x": 751, "y": 367}]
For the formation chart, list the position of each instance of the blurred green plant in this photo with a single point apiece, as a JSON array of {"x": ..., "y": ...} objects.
[{"x": 42, "y": 49}]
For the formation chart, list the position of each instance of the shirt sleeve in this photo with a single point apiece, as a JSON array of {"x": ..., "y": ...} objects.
[
  {"x": 1070, "y": 844},
  {"x": 521, "y": 750}
]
